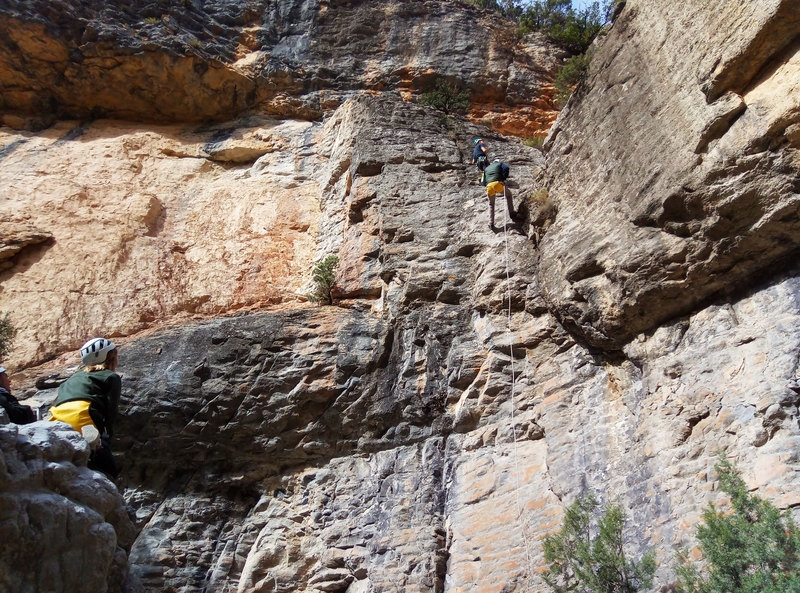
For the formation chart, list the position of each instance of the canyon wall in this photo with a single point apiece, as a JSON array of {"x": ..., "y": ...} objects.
[
  {"x": 216, "y": 211},
  {"x": 427, "y": 431},
  {"x": 678, "y": 174}
]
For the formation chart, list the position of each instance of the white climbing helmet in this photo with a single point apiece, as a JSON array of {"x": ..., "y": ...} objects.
[{"x": 95, "y": 351}]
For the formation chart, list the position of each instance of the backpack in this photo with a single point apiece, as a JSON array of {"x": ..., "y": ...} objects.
[{"x": 504, "y": 172}]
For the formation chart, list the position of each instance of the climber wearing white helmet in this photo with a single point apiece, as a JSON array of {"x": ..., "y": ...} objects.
[{"x": 88, "y": 402}]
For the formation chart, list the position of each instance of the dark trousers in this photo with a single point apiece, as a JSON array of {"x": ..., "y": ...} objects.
[{"x": 102, "y": 460}]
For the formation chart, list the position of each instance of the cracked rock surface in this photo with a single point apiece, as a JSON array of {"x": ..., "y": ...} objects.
[
  {"x": 676, "y": 179},
  {"x": 426, "y": 432}
]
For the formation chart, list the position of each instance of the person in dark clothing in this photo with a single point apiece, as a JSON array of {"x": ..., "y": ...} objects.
[
  {"x": 17, "y": 413},
  {"x": 493, "y": 178},
  {"x": 88, "y": 402},
  {"x": 480, "y": 155}
]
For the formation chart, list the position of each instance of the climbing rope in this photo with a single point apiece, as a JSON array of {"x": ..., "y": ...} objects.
[{"x": 517, "y": 471}]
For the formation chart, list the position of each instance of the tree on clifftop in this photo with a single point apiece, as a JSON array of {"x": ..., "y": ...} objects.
[{"x": 572, "y": 29}]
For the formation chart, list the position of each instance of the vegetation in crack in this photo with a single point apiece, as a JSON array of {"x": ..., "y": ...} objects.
[
  {"x": 324, "y": 276},
  {"x": 569, "y": 75},
  {"x": 7, "y": 333},
  {"x": 448, "y": 96}
]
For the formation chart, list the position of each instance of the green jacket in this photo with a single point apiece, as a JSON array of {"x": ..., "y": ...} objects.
[
  {"x": 101, "y": 388},
  {"x": 496, "y": 171}
]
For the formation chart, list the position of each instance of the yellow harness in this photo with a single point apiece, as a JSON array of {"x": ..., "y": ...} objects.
[{"x": 74, "y": 413}]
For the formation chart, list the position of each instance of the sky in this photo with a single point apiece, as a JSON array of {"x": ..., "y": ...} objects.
[{"x": 580, "y": 4}]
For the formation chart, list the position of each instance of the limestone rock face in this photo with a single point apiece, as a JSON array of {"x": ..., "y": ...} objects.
[
  {"x": 153, "y": 225},
  {"x": 16, "y": 239},
  {"x": 417, "y": 438},
  {"x": 63, "y": 526},
  {"x": 675, "y": 175},
  {"x": 340, "y": 450},
  {"x": 200, "y": 61},
  {"x": 426, "y": 432}
]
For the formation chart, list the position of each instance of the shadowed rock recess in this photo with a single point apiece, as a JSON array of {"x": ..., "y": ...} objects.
[{"x": 426, "y": 432}]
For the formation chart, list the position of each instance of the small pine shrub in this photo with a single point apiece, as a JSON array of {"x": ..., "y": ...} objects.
[
  {"x": 7, "y": 333},
  {"x": 753, "y": 548},
  {"x": 449, "y": 97},
  {"x": 324, "y": 276},
  {"x": 585, "y": 557}
]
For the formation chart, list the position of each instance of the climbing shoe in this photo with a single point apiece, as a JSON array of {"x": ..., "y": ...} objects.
[{"x": 91, "y": 434}]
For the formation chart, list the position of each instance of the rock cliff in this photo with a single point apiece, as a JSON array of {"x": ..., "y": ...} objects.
[
  {"x": 426, "y": 432},
  {"x": 677, "y": 176},
  {"x": 65, "y": 527},
  {"x": 213, "y": 61},
  {"x": 245, "y": 190}
]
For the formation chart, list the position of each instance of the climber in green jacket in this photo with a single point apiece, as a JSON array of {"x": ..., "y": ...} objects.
[
  {"x": 88, "y": 402},
  {"x": 493, "y": 177}
]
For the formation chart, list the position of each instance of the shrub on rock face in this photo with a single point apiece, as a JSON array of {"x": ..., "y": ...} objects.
[
  {"x": 568, "y": 76},
  {"x": 7, "y": 333},
  {"x": 542, "y": 211},
  {"x": 753, "y": 548},
  {"x": 324, "y": 275},
  {"x": 590, "y": 557},
  {"x": 448, "y": 97}
]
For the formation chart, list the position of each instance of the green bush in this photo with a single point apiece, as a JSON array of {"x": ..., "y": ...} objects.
[
  {"x": 323, "y": 276},
  {"x": 568, "y": 77},
  {"x": 535, "y": 141},
  {"x": 753, "y": 548},
  {"x": 448, "y": 97},
  {"x": 574, "y": 30},
  {"x": 7, "y": 333},
  {"x": 587, "y": 559},
  {"x": 508, "y": 8}
]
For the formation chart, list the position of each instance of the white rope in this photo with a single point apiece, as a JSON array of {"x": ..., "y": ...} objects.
[{"x": 517, "y": 472}]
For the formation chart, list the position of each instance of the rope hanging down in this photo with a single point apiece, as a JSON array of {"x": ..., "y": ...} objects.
[{"x": 517, "y": 471}]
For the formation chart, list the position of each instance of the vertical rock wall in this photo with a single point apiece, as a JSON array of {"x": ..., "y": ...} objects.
[
  {"x": 675, "y": 166},
  {"x": 144, "y": 227},
  {"x": 416, "y": 438},
  {"x": 427, "y": 432}
]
